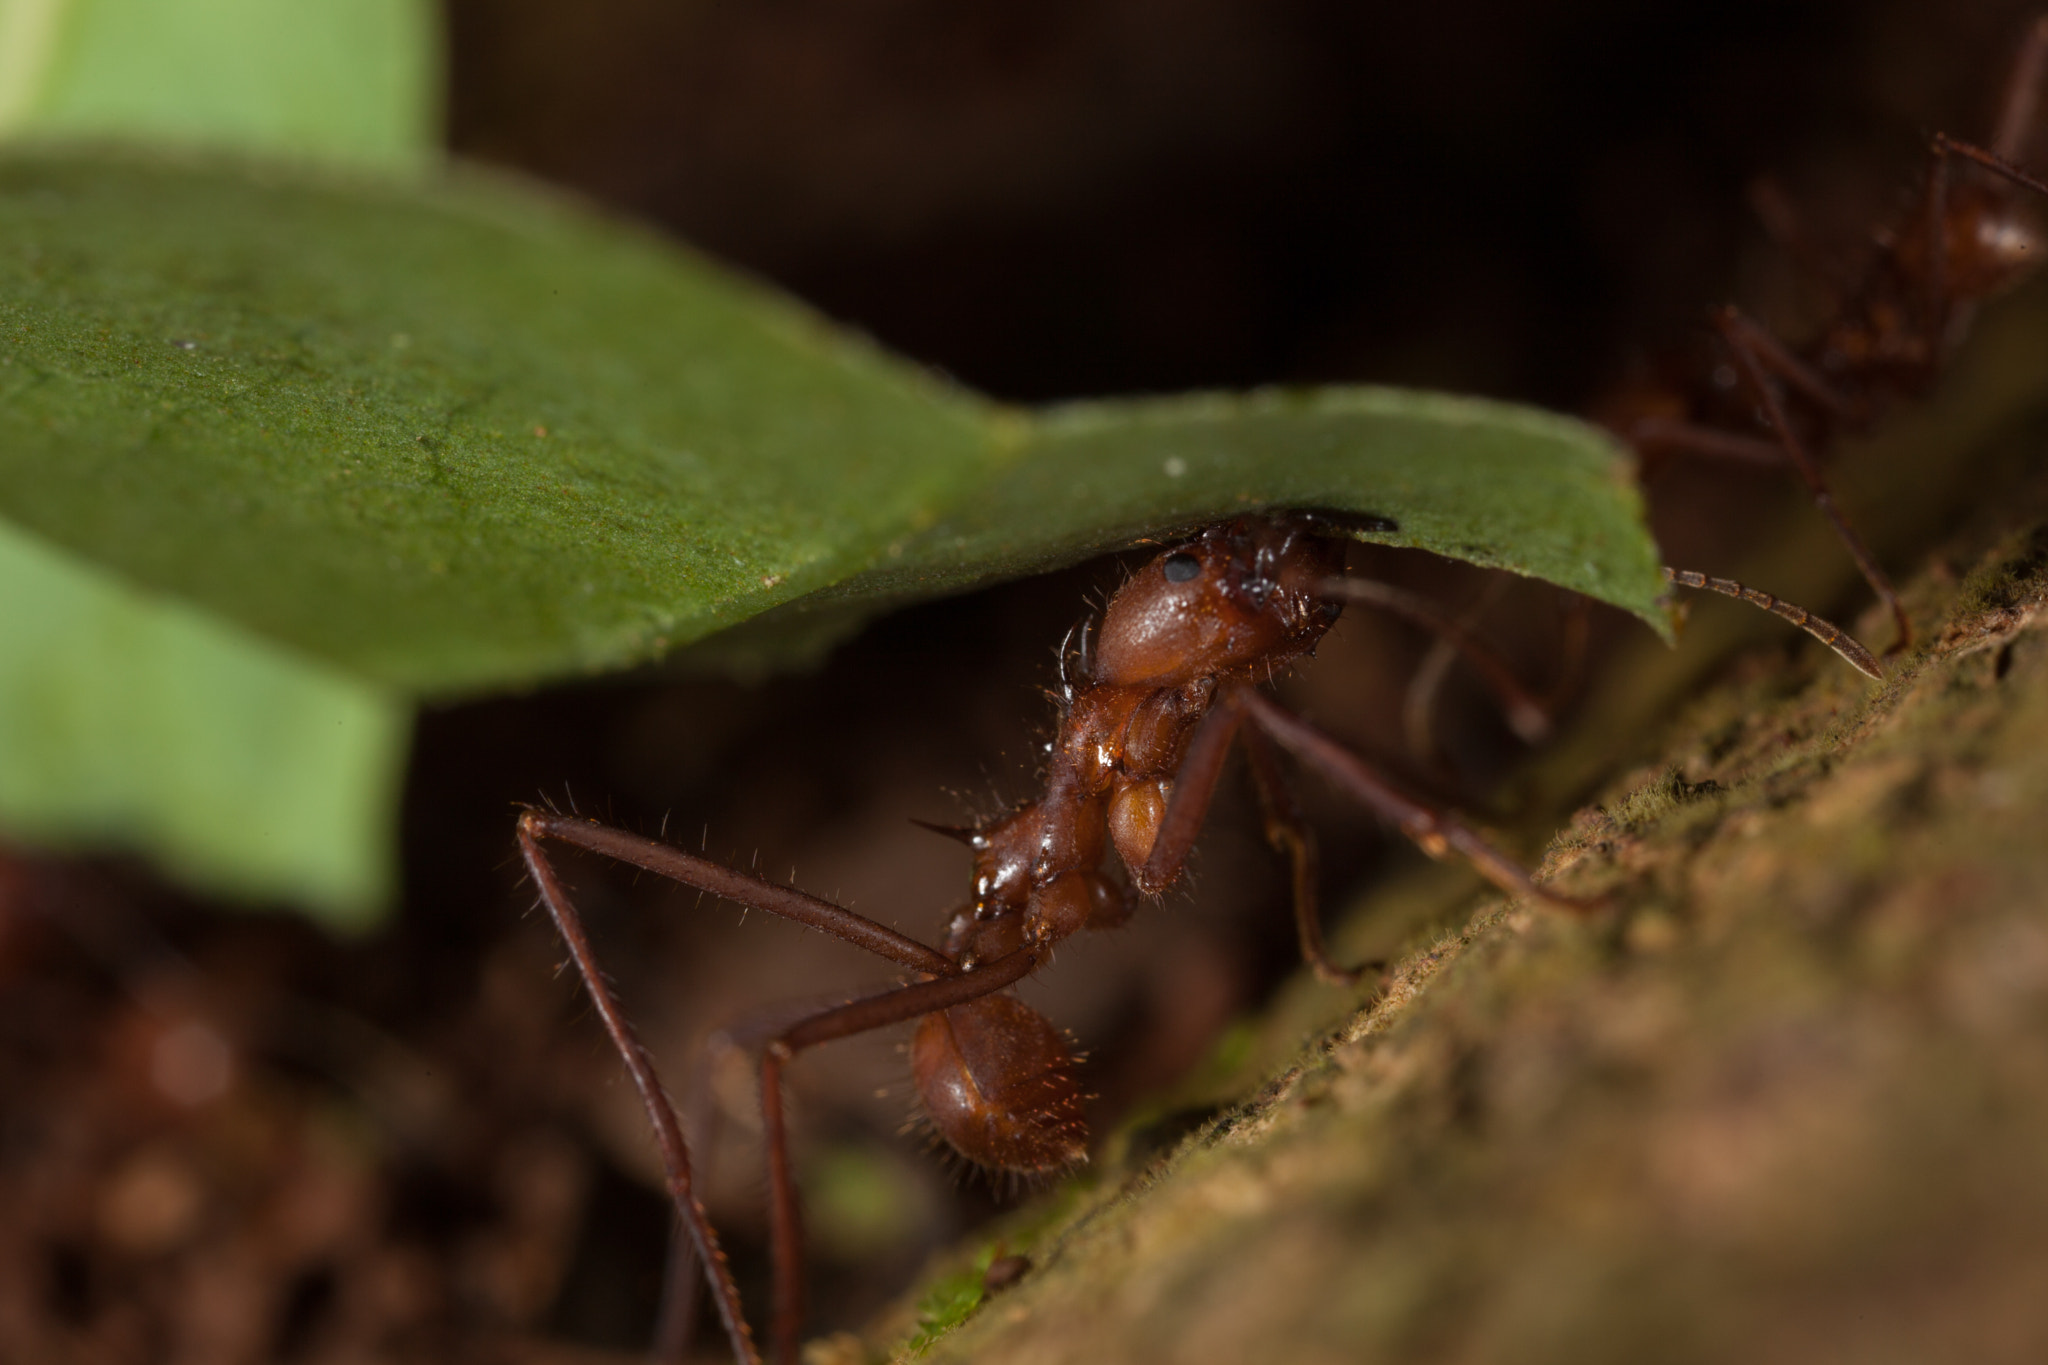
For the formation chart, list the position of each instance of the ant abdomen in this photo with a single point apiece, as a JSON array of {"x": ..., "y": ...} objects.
[{"x": 997, "y": 1081}]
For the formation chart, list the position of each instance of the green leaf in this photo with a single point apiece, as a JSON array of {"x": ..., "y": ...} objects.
[
  {"x": 461, "y": 437},
  {"x": 346, "y": 80},
  {"x": 130, "y": 721},
  {"x": 1501, "y": 486},
  {"x": 1497, "y": 485}
]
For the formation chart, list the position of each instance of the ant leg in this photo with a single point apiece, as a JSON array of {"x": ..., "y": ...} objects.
[
  {"x": 1829, "y": 634},
  {"x": 668, "y": 1129},
  {"x": 1750, "y": 344},
  {"x": 703, "y": 1122},
  {"x": 1433, "y": 830},
  {"x": 741, "y": 888},
  {"x": 1739, "y": 331},
  {"x": 1944, "y": 145},
  {"x": 1418, "y": 708},
  {"x": 1425, "y": 686},
  {"x": 843, "y": 1021},
  {"x": 1659, "y": 435},
  {"x": 1577, "y": 627},
  {"x": 2022, "y": 94},
  {"x": 1194, "y": 787},
  {"x": 1290, "y": 836},
  {"x": 1524, "y": 716},
  {"x": 669, "y": 861}
]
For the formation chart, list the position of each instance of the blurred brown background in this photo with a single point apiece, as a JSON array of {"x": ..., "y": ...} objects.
[{"x": 420, "y": 1149}]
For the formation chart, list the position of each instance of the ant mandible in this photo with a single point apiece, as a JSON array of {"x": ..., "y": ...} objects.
[
  {"x": 1966, "y": 238},
  {"x": 1172, "y": 682}
]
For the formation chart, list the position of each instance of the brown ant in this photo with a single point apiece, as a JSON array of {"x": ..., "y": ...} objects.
[
  {"x": 1966, "y": 238},
  {"x": 1149, "y": 715}
]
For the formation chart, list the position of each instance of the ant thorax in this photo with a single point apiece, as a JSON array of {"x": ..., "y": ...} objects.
[{"x": 1244, "y": 594}]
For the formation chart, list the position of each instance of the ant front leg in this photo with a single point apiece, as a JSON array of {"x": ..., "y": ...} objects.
[
  {"x": 787, "y": 902},
  {"x": 1194, "y": 787},
  {"x": 1753, "y": 348},
  {"x": 1433, "y": 830}
]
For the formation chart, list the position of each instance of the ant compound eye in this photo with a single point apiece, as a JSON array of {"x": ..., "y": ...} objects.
[{"x": 1181, "y": 567}]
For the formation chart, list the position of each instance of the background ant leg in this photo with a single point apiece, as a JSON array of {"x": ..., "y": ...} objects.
[
  {"x": 1418, "y": 705},
  {"x": 2010, "y": 134},
  {"x": 1947, "y": 146},
  {"x": 1743, "y": 338},
  {"x": 1524, "y": 715},
  {"x": 785, "y": 1225},
  {"x": 1426, "y": 683},
  {"x": 1828, "y": 633},
  {"x": 1432, "y": 829},
  {"x": 1290, "y": 837},
  {"x": 1738, "y": 330},
  {"x": 1652, "y": 436}
]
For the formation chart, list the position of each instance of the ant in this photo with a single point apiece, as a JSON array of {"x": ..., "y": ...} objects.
[
  {"x": 1966, "y": 238},
  {"x": 1149, "y": 714}
]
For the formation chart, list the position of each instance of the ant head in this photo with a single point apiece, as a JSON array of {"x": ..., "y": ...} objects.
[{"x": 1238, "y": 594}]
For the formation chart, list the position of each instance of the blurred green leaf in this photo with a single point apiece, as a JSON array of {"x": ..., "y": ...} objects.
[
  {"x": 134, "y": 721},
  {"x": 462, "y": 437},
  {"x": 448, "y": 440},
  {"x": 347, "y": 80}
]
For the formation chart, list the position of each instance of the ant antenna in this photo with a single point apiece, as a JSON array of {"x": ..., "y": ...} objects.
[{"x": 1829, "y": 634}]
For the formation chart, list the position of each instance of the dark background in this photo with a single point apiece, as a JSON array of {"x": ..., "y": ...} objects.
[{"x": 1045, "y": 200}]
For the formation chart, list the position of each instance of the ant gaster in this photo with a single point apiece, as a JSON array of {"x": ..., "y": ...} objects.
[
  {"x": 1967, "y": 237},
  {"x": 1172, "y": 682}
]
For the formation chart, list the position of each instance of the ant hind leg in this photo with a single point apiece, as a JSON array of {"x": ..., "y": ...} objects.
[{"x": 895, "y": 1006}]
